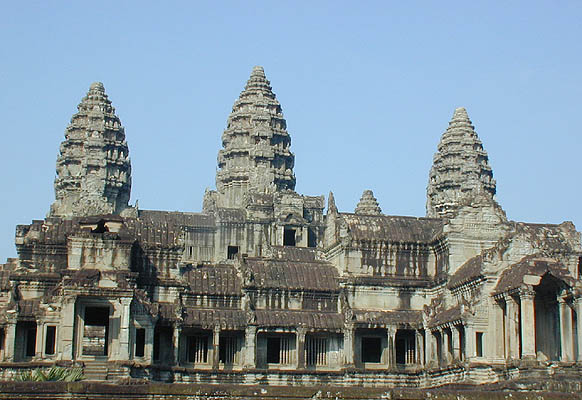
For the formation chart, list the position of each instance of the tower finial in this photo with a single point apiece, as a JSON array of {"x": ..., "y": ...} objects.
[{"x": 368, "y": 205}]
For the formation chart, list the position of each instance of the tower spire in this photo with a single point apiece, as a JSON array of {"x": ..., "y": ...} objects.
[
  {"x": 255, "y": 155},
  {"x": 93, "y": 167},
  {"x": 460, "y": 170},
  {"x": 368, "y": 205}
]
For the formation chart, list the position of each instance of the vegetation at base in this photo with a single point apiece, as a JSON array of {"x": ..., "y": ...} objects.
[{"x": 53, "y": 374}]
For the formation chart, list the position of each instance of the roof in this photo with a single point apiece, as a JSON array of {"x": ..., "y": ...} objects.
[
  {"x": 392, "y": 228},
  {"x": 283, "y": 274},
  {"x": 449, "y": 315},
  {"x": 293, "y": 253},
  {"x": 513, "y": 277},
  {"x": 214, "y": 280},
  {"x": 308, "y": 319},
  {"x": 374, "y": 319},
  {"x": 467, "y": 272},
  {"x": 207, "y": 319}
]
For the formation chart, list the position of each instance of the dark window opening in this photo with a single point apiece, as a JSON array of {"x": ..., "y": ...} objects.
[
  {"x": 163, "y": 350},
  {"x": 311, "y": 238},
  {"x": 405, "y": 347},
  {"x": 228, "y": 348},
  {"x": 156, "y": 343},
  {"x": 289, "y": 237},
  {"x": 232, "y": 252},
  {"x": 30, "y": 348},
  {"x": 479, "y": 337},
  {"x": 139, "y": 342},
  {"x": 579, "y": 267},
  {"x": 198, "y": 349},
  {"x": 101, "y": 227},
  {"x": 273, "y": 348},
  {"x": 315, "y": 351},
  {"x": 462, "y": 342},
  {"x": 2, "y": 336},
  {"x": 371, "y": 349},
  {"x": 50, "y": 340}
]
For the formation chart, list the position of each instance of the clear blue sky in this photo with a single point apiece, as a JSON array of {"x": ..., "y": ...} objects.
[{"x": 367, "y": 89}]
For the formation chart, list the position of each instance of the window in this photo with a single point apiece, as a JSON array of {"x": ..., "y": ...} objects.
[
  {"x": 50, "y": 340},
  {"x": 198, "y": 349},
  {"x": 139, "y": 342},
  {"x": 279, "y": 350},
  {"x": 371, "y": 349},
  {"x": 2, "y": 336},
  {"x": 315, "y": 351},
  {"x": 405, "y": 347},
  {"x": 288, "y": 237},
  {"x": 229, "y": 348},
  {"x": 30, "y": 347},
  {"x": 311, "y": 238},
  {"x": 479, "y": 337},
  {"x": 232, "y": 252}
]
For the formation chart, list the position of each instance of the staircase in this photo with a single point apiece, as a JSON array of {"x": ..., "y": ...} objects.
[{"x": 95, "y": 370}]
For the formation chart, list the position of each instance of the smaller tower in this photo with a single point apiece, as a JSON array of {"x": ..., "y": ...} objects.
[
  {"x": 368, "y": 204},
  {"x": 460, "y": 172},
  {"x": 93, "y": 167}
]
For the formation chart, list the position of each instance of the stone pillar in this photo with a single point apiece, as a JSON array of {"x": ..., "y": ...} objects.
[
  {"x": 391, "y": 346},
  {"x": 456, "y": 338},
  {"x": 565, "y": 330},
  {"x": 470, "y": 341},
  {"x": 301, "y": 348},
  {"x": 124, "y": 322},
  {"x": 9, "y": 341},
  {"x": 250, "y": 347},
  {"x": 431, "y": 351},
  {"x": 67, "y": 330},
  {"x": 578, "y": 305},
  {"x": 349, "y": 341},
  {"x": 149, "y": 344},
  {"x": 445, "y": 346},
  {"x": 38, "y": 351},
  {"x": 499, "y": 339},
  {"x": 176, "y": 343},
  {"x": 420, "y": 357},
  {"x": 215, "y": 345},
  {"x": 512, "y": 327},
  {"x": 528, "y": 325}
]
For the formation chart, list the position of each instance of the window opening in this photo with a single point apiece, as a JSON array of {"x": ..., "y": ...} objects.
[
  {"x": 405, "y": 347},
  {"x": 371, "y": 349},
  {"x": 311, "y": 238},
  {"x": 289, "y": 237},
  {"x": 229, "y": 347},
  {"x": 139, "y": 342},
  {"x": 315, "y": 351},
  {"x": 96, "y": 331},
  {"x": 163, "y": 350},
  {"x": 232, "y": 252},
  {"x": 198, "y": 349},
  {"x": 279, "y": 350},
  {"x": 30, "y": 348},
  {"x": 479, "y": 337},
  {"x": 50, "y": 340}
]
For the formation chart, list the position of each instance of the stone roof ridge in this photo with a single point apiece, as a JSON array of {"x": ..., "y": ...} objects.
[
  {"x": 93, "y": 168},
  {"x": 460, "y": 170},
  {"x": 368, "y": 205}
]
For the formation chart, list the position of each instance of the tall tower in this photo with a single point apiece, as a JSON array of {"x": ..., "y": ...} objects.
[
  {"x": 93, "y": 167},
  {"x": 255, "y": 155},
  {"x": 460, "y": 170}
]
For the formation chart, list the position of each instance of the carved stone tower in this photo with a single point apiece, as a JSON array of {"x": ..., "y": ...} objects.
[
  {"x": 93, "y": 167},
  {"x": 368, "y": 205},
  {"x": 255, "y": 155},
  {"x": 460, "y": 172}
]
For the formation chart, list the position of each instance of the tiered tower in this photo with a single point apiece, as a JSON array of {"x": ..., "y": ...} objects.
[
  {"x": 93, "y": 168},
  {"x": 460, "y": 170},
  {"x": 368, "y": 204},
  {"x": 255, "y": 155}
]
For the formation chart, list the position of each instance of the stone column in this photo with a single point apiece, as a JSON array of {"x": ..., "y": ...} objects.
[
  {"x": 391, "y": 336},
  {"x": 470, "y": 341},
  {"x": 528, "y": 325},
  {"x": 67, "y": 330},
  {"x": 565, "y": 330},
  {"x": 149, "y": 344},
  {"x": 456, "y": 338},
  {"x": 578, "y": 305},
  {"x": 512, "y": 327},
  {"x": 349, "y": 340},
  {"x": 38, "y": 351},
  {"x": 420, "y": 357},
  {"x": 250, "y": 347},
  {"x": 445, "y": 346},
  {"x": 124, "y": 322},
  {"x": 176, "y": 343},
  {"x": 215, "y": 345},
  {"x": 9, "y": 341},
  {"x": 498, "y": 339},
  {"x": 301, "y": 348},
  {"x": 431, "y": 352}
]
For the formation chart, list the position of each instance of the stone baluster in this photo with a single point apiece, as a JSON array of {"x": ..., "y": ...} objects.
[{"x": 528, "y": 327}]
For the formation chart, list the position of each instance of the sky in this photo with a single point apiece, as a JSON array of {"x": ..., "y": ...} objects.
[{"x": 367, "y": 89}]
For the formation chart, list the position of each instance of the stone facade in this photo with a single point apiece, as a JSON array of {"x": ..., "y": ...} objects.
[{"x": 263, "y": 286}]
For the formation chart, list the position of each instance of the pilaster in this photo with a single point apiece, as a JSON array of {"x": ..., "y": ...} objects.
[
  {"x": 176, "y": 343},
  {"x": 528, "y": 326},
  {"x": 456, "y": 339},
  {"x": 9, "y": 341},
  {"x": 215, "y": 345},
  {"x": 301, "y": 348},
  {"x": 249, "y": 349},
  {"x": 578, "y": 305},
  {"x": 567, "y": 352}
]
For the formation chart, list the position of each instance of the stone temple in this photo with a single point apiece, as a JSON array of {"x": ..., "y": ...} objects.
[{"x": 265, "y": 287}]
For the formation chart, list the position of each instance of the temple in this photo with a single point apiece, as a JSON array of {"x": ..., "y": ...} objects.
[{"x": 269, "y": 286}]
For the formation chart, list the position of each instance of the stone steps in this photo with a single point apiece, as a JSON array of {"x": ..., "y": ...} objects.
[{"x": 96, "y": 370}]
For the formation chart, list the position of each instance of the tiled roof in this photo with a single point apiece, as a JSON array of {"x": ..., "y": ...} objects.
[
  {"x": 220, "y": 279},
  {"x": 467, "y": 272},
  {"x": 372, "y": 319},
  {"x": 207, "y": 319},
  {"x": 392, "y": 228},
  {"x": 317, "y": 276},
  {"x": 308, "y": 319}
]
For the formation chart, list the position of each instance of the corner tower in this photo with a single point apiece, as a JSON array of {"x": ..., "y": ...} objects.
[
  {"x": 255, "y": 155},
  {"x": 93, "y": 167},
  {"x": 460, "y": 172}
]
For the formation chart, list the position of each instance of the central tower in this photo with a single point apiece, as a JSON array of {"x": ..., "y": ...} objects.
[{"x": 255, "y": 156}]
